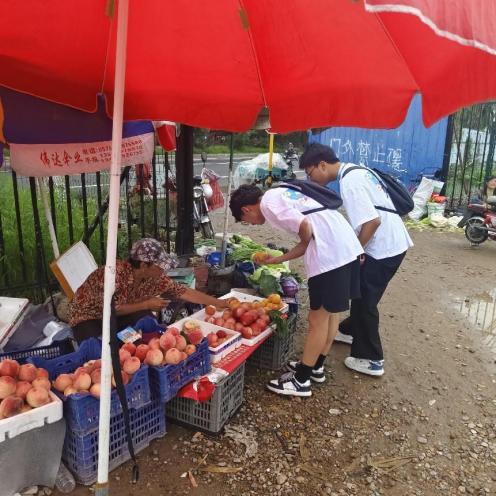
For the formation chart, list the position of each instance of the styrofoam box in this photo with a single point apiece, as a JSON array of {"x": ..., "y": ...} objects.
[
  {"x": 37, "y": 417},
  {"x": 218, "y": 353},
  {"x": 242, "y": 297}
]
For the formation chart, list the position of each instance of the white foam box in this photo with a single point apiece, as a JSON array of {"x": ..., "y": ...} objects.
[
  {"x": 221, "y": 351},
  {"x": 37, "y": 417},
  {"x": 200, "y": 315}
]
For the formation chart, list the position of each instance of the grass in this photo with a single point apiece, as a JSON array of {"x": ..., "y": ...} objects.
[{"x": 11, "y": 262}]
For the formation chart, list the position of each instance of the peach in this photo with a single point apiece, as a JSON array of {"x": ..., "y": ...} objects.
[
  {"x": 25, "y": 408},
  {"x": 173, "y": 356},
  {"x": 195, "y": 337},
  {"x": 22, "y": 389},
  {"x": 27, "y": 372},
  {"x": 42, "y": 373},
  {"x": 10, "y": 406},
  {"x": 141, "y": 351},
  {"x": 131, "y": 365},
  {"x": 89, "y": 366},
  {"x": 190, "y": 349},
  {"x": 210, "y": 310},
  {"x": 82, "y": 382},
  {"x": 62, "y": 382},
  {"x": 7, "y": 386},
  {"x": 70, "y": 390},
  {"x": 96, "y": 376},
  {"x": 154, "y": 344},
  {"x": 42, "y": 382},
  {"x": 125, "y": 379},
  {"x": 9, "y": 368},
  {"x": 124, "y": 355},
  {"x": 212, "y": 339},
  {"x": 189, "y": 325},
  {"x": 154, "y": 357},
  {"x": 37, "y": 396},
  {"x": 95, "y": 390},
  {"x": 131, "y": 347},
  {"x": 181, "y": 343},
  {"x": 173, "y": 330},
  {"x": 183, "y": 356},
  {"x": 167, "y": 341}
]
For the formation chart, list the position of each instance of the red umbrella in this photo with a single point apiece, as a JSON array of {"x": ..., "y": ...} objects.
[{"x": 216, "y": 63}]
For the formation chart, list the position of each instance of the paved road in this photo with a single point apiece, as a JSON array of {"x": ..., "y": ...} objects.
[{"x": 220, "y": 164}]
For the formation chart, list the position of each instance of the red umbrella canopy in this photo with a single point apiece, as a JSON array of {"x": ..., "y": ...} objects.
[{"x": 217, "y": 63}]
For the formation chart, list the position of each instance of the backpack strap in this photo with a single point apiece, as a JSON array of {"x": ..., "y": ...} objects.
[
  {"x": 377, "y": 207},
  {"x": 121, "y": 391},
  {"x": 295, "y": 188}
]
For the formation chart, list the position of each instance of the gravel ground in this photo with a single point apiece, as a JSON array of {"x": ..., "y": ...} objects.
[{"x": 427, "y": 427}]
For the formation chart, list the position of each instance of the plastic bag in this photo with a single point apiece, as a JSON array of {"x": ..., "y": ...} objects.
[
  {"x": 420, "y": 198},
  {"x": 246, "y": 171}
]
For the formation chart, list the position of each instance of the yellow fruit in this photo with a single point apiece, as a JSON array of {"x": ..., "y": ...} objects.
[{"x": 275, "y": 298}]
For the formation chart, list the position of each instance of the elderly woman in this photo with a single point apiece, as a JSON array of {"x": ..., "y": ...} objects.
[{"x": 141, "y": 287}]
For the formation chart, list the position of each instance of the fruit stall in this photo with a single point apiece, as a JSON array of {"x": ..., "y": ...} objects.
[{"x": 190, "y": 372}]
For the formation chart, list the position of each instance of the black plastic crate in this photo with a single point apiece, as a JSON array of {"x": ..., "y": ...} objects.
[
  {"x": 210, "y": 416},
  {"x": 54, "y": 350},
  {"x": 275, "y": 352}
]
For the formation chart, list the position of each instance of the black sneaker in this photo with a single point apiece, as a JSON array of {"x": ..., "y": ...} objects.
[
  {"x": 318, "y": 375},
  {"x": 289, "y": 386}
]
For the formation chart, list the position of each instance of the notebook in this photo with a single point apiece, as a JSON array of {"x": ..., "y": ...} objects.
[{"x": 73, "y": 267}]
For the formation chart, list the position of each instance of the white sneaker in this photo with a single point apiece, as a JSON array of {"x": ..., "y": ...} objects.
[
  {"x": 289, "y": 386},
  {"x": 318, "y": 375},
  {"x": 364, "y": 366},
  {"x": 344, "y": 338}
]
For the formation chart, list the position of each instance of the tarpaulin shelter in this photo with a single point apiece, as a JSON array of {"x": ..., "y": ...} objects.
[{"x": 219, "y": 63}]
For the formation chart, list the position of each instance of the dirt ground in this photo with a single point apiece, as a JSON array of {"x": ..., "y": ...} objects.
[{"x": 427, "y": 427}]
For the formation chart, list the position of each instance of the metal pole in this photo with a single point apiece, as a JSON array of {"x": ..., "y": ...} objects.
[
  {"x": 184, "y": 177},
  {"x": 226, "y": 206},
  {"x": 102, "y": 487}
]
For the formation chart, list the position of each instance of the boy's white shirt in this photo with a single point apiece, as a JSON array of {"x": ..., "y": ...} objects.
[
  {"x": 334, "y": 242},
  {"x": 360, "y": 191}
]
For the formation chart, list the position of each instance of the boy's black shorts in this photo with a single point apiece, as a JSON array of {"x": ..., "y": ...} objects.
[{"x": 334, "y": 289}]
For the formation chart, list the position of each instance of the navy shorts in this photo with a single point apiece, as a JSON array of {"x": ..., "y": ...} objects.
[{"x": 334, "y": 289}]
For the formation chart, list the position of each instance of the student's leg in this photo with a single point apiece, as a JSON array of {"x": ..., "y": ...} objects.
[
  {"x": 332, "y": 329},
  {"x": 318, "y": 340},
  {"x": 375, "y": 277}
]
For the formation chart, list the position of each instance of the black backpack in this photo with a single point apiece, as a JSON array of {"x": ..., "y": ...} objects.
[
  {"x": 402, "y": 201},
  {"x": 327, "y": 198}
]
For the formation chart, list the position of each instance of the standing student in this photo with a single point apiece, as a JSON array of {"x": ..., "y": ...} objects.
[
  {"x": 384, "y": 239},
  {"x": 330, "y": 250}
]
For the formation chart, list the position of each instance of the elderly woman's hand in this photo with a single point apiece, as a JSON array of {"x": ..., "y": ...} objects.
[{"x": 156, "y": 303}]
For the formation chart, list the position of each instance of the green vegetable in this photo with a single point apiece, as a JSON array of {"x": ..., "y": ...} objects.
[{"x": 281, "y": 322}]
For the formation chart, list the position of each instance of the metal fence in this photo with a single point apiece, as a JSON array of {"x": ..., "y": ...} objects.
[
  {"x": 78, "y": 205},
  {"x": 471, "y": 141}
]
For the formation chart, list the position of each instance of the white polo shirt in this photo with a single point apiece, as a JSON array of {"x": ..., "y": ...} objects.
[
  {"x": 334, "y": 243},
  {"x": 360, "y": 191}
]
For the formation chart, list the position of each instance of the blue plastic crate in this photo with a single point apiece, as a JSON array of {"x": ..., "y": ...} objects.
[
  {"x": 167, "y": 380},
  {"x": 54, "y": 350},
  {"x": 80, "y": 453},
  {"x": 82, "y": 410}
]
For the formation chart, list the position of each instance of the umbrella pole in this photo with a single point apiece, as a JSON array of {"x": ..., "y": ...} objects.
[
  {"x": 113, "y": 218},
  {"x": 226, "y": 206},
  {"x": 48, "y": 215}
]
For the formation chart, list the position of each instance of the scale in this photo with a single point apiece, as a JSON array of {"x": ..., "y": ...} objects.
[{"x": 12, "y": 311}]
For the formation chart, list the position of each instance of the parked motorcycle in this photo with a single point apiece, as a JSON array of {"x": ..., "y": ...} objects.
[
  {"x": 480, "y": 221},
  {"x": 202, "y": 191}
]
